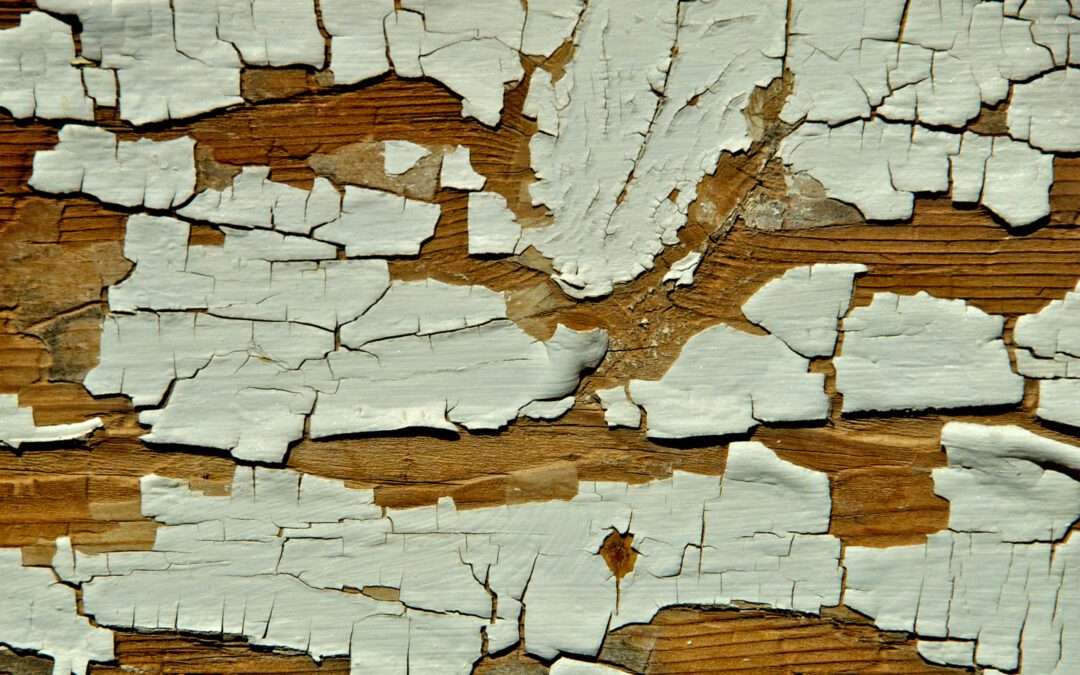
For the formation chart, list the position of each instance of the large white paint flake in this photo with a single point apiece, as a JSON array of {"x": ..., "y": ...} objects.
[
  {"x": 913, "y": 352},
  {"x": 39, "y": 78},
  {"x": 879, "y": 166},
  {"x": 654, "y": 93},
  {"x": 1002, "y": 585},
  {"x": 233, "y": 346},
  {"x": 17, "y": 426},
  {"x": 279, "y": 561},
  {"x": 727, "y": 381},
  {"x": 802, "y": 307},
  {"x": 40, "y": 615},
  {"x": 155, "y": 174},
  {"x": 253, "y": 200},
  {"x": 1035, "y": 113},
  {"x": 1048, "y": 349},
  {"x": 179, "y": 58}
]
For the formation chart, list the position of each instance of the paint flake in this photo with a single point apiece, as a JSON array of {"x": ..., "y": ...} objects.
[
  {"x": 400, "y": 156},
  {"x": 1047, "y": 349},
  {"x": 726, "y": 381},
  {"x": 154, "y": 174},
  {"x": 273, "y": 561},
  {"x": 377, "y": 223},
  {"x": 36, "y": 69},
  {"x": 493, "y": 228},
  {"x": 457, "y": 171},
  {"x": 619, "y": 410},
  {"x": 934, "y": 353},
  {"x": 1036, "y": 116},
  {"x": 610, "y": 185},
  {"x": 40, "y": 615},
  {"x": 253, "y": 200},
  {"x": 232, "y": 346},
  {"x": 17, "y": 427},
  {"x": 802, "y": 307},
  {"x": 1007, "y": 478},
  {"x": 682, "y": 272},
  {"x": 357, "y": 43}
]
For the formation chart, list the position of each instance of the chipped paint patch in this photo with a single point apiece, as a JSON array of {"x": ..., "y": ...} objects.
[{"x": 275, "y": 559}]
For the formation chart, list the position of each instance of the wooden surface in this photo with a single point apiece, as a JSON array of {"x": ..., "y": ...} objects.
[{"x": 59, "y": 254}]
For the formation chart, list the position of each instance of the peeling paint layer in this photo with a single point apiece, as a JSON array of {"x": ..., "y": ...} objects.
[
  {"x": 1048, "y": 349},
  {"x": 672, "y": 80},
  {"x": 236, "y": 346},
  {"x": 40, "y": 616},
  {"x": 276, "y": 561},
  {"x": 17, "y": 426},
  {"x": 933, "y": 353},
  {"x": 1001, "y": 584}
]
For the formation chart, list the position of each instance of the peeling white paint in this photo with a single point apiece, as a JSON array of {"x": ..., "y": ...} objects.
[
  {"x": 400, "y": 156},
  {"x": 243, "y": 333},
  {"x": 155, "y": 174},
  {"x": 878, "y": 167},
  {"x": 357, "y": 43},
  {"x": 1037, "y": 115},
  {"x": 726, "y": 381},
  {"x": 377, "y": 223},
  {"x": 802, "y": 307},
  {"x": 253, "y": 200},
  {"x": 619, "y": 410},
  {"x": 493, "y": 227},
  {"x": 1012, "y": 589},
  {"x": 17, "y": 427},
  {"x": 457, "y": 171},
  {"x": 567, "y": 666},
  {"x": 36, "y": 68},
  {"x": 682, "y": 272},
  {"x": 274, "y": 561},
  {"x": 1048, "y": 349},
  {"x": 673, "y": 79},
  {"x": 40, "y": 616},
  {"x": 933, "y": 353}
]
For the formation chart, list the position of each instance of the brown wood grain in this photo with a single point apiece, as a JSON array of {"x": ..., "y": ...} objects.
[{"x": 59, "y": 254}]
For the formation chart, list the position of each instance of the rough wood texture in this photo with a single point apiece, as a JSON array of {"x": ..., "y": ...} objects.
[{"x": 59, "y": 255}]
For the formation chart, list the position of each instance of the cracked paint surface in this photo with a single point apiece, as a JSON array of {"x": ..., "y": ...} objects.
[
  {"x": 278, "y": 560},
  {"x": 292, "y": 320},
  {"x": 291, "y": 326},
  {"x": 999, "y": 588}
]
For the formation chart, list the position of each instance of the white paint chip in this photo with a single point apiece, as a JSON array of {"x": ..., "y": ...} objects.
[
  {"x": 933, "y": 353},
  {"x": 400, "y": 156},
  {"x": 619, "y": 410},
  {"x": 457, "y": 171},
  {"x": 253, "y": 200},
  {"x": 802, "y": 307},
  {"x": 493, "y": 227},
  {"x": 1001, "y": 579},
  {"x": 547, "y": 410},
  {"x": 1039, "y": 114},
  {"x": 276, "y": 559},
  {"x": 568, "y": 666},
  {"x": 682, "y": 272},
  {"x": 17, "y": 427},
  {"x": 40, "y": 616},
  {"x": 726, "y": 381},
  {"x": 1048, "y": 348},
  {"x": 377, "y": 223},
  {"x": 611, "y": 180},
  {"x": 357, "y": 43},
  {"x": 155, "y": 174},
  {"x": 36, "y": 68}
]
